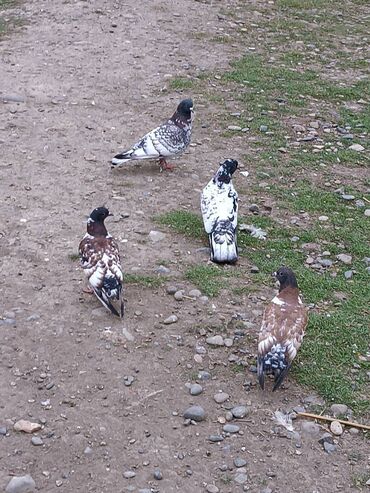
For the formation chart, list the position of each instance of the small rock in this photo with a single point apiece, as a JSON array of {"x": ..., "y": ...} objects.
[
  {"x": 88, "y": 451},
  {"x": 356, "y": 147},
  {"x": 3, "y": 431},
  {"x": 254, "y": 269},
  {"x": 338, "y": 410},
  {"x": 128, "y": 380},
  {"x": 239, "y": 462},
  {"x": 12, "y": 98},
  {"x": 254, "y": 208},
  {"x": 294, "y": 239},
  {"x": 200, "y": 350},
  {"x": 156, "y": 236},
  {"x": 359, "y": 203},
  {"x": 329, "y": 447},
  {"x": 323, "y": 218},
  {"x": 157, "y": 474},
  {"x": 229, "y": 428},
  {"x": 129, "y": 474},
  {"x": 348, "y": 274},
  {"x": 336, "y": 428},
  {"x": 170, "y": 320},
  {"x": 241, "y": 478},
  {"x": 266, "y": 490},
  {"x": 162, "y": 270},
  {"x": 195, "y": 293},
  {"x": 263, "y": 128},
  {"x": 348, "y": 197},
  {"x": 367, "y": 212},
  {"x": 179, "y": 295},
  {"x": 354, "y": 431},
  {"x": 215, "y": 438},
  {"x": 215, "y": 340},
  {"x": 315, "y": 125},
  {"x": 228, "y": 342},
  {"x": 345, "y": 258},
  {"x": 196, "y": 413},
  {"x": 26, "y": 426},
  {"x": 235, "y": 128},
  {"x": 195, "y": 389},
  {"x": 211, "y": 488},
  {"x": 37, "y": 441},
  {"x": 326, "y": 438},
  {"x": 20, "y": 484},
  {"x": 326, "y": 262},
  {"x": 221, "y": 397},
  {"x": 239, "y": 412},
  {"x": 171, "y": 290},
  {"x": 310, "y": 428},
  {"x": 204, "y": 375}
]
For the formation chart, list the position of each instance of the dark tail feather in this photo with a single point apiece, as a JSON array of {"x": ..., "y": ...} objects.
[
  {"x": 280, "y": 377},
  {"x": 102, "y": 297},
  {"x": 223, "y": 251},
  {"x": 261, "y": 372}
]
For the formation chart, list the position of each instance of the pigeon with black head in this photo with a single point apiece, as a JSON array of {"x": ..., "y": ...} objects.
[
  {"x": 100, "y": 260},
  {"x": 168, "y": 140},
  {"x": 219, "y": 205},
  {"x": 282, "y": 330}
]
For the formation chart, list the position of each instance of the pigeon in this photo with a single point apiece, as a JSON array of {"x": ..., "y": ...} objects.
[
  {"x": 219, "y": 205},
  {"x": 100, "y": 260},
  {"x": 282, "y": 331},
  {"x": 168, "y": 140}
]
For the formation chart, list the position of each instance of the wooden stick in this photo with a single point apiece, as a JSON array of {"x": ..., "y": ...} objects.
[{"x": 326, "y": 418}]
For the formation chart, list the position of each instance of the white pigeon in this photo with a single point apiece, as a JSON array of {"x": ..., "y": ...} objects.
[
  {"x": 168, "y": 140},
  {"x": 99, "y": 257},
  {"x": 219, "y": 205}
]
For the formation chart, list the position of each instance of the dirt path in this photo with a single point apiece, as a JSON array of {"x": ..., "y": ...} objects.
[{"x": 91, "y": 75}]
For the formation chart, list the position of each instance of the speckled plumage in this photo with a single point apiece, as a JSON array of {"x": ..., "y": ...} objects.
[
  {"x": 219, "y": 205},
  {"x": 168, "y": 140},
  {"x": 100, "y": 259},
  {"x": 282, "y": 330}
]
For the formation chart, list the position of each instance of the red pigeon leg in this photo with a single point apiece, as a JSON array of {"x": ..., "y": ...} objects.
[
  {"x": 88, "y": 290},
  {"x": 164, "y": 165}
]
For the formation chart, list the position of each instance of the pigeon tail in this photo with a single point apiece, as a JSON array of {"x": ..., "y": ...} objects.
[
  {"x": 275, "y": 362},
  {"x": 122, "y": 158},
  {"x": 223, "y": 244}
]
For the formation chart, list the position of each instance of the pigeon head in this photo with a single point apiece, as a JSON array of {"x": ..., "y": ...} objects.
[
  {"x": 99, "y": 214},
  {"x": 185, "y": 109},
  {"x": 226, "y": 170},
  {"x": 286, "y": 277}
]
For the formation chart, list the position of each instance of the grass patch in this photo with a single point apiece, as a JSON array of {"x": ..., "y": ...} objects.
[
  {"x": 208, "y": 278},
  {"x": 181, "y": 83},
  {"x": 146, "y": 281},
  {"x": 184, "y": 222},
  {"x": 73, "y": 257}
]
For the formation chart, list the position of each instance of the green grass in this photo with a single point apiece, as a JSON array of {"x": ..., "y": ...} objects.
[
  {"x": 181, "y": 83},
  {"x": 146, "y": 281},
  {"x": 183, "y": 222},
  {"x": 208, "y": 278}
]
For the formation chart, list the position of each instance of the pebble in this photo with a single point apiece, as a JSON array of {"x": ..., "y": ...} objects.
[
  {"x": 20, "y": 484},
  {"x": 354, "y": 431},
  {"x": 88, "y": 451},
  {"x": 228, "y": 342},
  {"x": 326, "y": 438},
  {"x": 367, "y": 212},
  {"x": 3, "y": 430},
  {"x": 26, "y": 426},
  {"x": 241, "y": 478},
  {"x": 235, "y": 128},
  {"x": 170, "y": 320},
  {"x": 37, "y": 441},
  {"x": 204, "y": 375},
  {"x": 215, "y": 438},
  {"x": 215, "y": 340},
  {"x": 163, "y": 270},
  {"x": 196, "y": 413},
  {"x": 129, "y": 474},
  {"x": 329, "y": 447},
  {"x": 195, "y": 293},
  {"x": 239, "y": 412},
  {"x": 229, "y": 428},
  {"x": 254, "y": 269},
  {"x": 179, "y": 295},
  {"x": 211, "y": 488},
  {"x": 266, "y": 490},
  {"x": 336, "y": 428},
  {"x": 157, "y": 474},
  {"x": 128, "y": 380},
  {"x": 348, "y": 274},
  {"x": 171, "y": 290},
  {"x": 310, "y": 428},
  {"x": 239, "y": 462},
  {"x": 359, "y": 203},
  {"x": 263, "y": 128},
  {"x": 221, "y": 397},
  {"x": 156, "y": 236},
  {"x": 345, "y": 258},
  {"x": 338, "y": 410},
  {"x": 294, "y": 239},
  {"x": 200, "y": 350},
  {"x": 347, "y": 197},
  {"x": 356, "y": 147},
  {"x": 254, "y": 208},
  {"x": 195, "y": 389},
  {"x": 323, "y": 218},
  {"x": 326, "y": 262}
]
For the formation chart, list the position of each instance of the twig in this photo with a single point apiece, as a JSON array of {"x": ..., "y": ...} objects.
[
  {"x": 326, "y": 418},
  {"x": 137, "y": 403}
]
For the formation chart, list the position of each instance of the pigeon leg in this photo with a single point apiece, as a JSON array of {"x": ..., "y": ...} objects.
[
  {"x": 88, "y": 290},
  {"x": 164, "y": 165}
]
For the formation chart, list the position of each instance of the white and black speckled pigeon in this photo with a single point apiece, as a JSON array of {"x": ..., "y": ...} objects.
[
  {"x": 219, "y": 205},
  {"x": 168, "y": 140},
  {"x": 282, "y": 331},
  {"x": 100, "y": 260}
]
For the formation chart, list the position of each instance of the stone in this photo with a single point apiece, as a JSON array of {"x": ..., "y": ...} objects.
[
  {"x": 228, "y": 342},
  {"x": 326, "y": 438},
  {"x": 156, "y": 236},
  {"x": 254, "y": 208},
  {"x": 129, "y": 474},
  {"x": 241, "y": 478},
  {"x": 221, "y": 397},
  {"x": 239, "y": 462},
  {"x": 215, "y": 340},
  {"x": 347, "y": 197},
  {"x": 348, "y": 274},
  {"x": 3, "y": 431},
  {"x": 12, "y": 98},
  {"x": 254, "y": 269},
  {"x": 196, "y": 413},
  {"x": 336, "y": 428},
  {"x": 171, "y": 290},
  {"x": 170, "y": 320},
  {"x": 338, "y": 410},
  {"x": 239, "y": 412},
  {"x": 367, "y": 212},
  {"x": 88, "y": 451},
  {"x": 163, "y": 270},
  {"x": 211, "y": 488},
  {"x": 21, "y": 484},
  {"x": 195, "y": 389},
  {"x": 26, "y": 426},
  {"x": 323, "y": 218},
  {"x": 345, "y": 258},
  {"x": 204, "y": 375},
  {"x": 356, "y": 147},
  {"x": 263, "y": 128},
  {"x": 215, "y": 438},
  {"x": 329, "y": 447},
  {"x": 230, "y": 428},
  {"x": 179, "y": 295},
  {"x": 157, "y": 474},
  {"x": 37, "y": 441},
  {"x": 235, "y": 128},
  {"x": 326, "y": 262},
  {"x": 195, "y": 293},
  {"x": 310, "y": 428}
]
